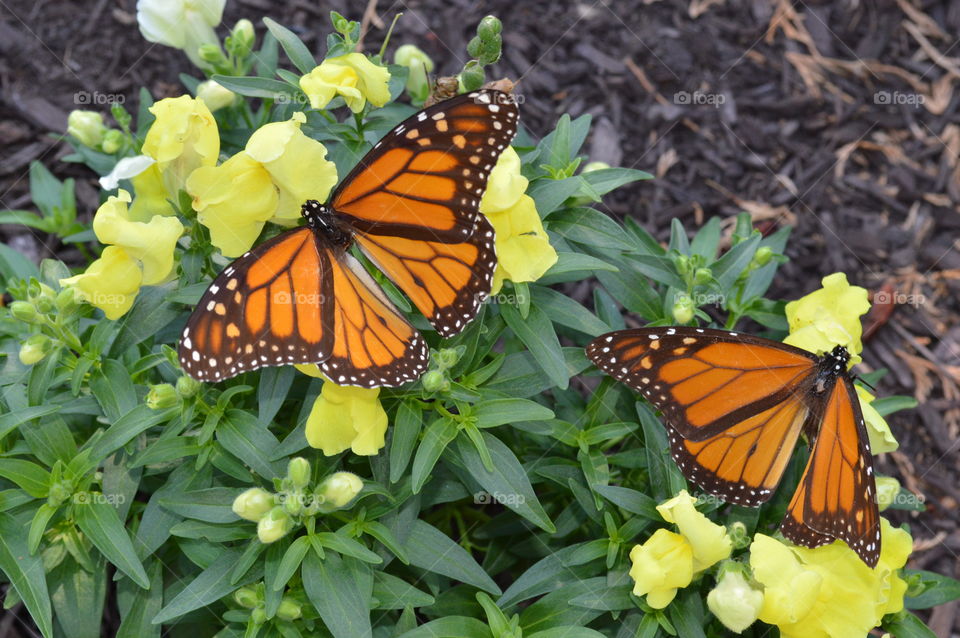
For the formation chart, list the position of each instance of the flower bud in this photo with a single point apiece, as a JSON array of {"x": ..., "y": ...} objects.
[
  {"x": 112, "y": 141},
  {"x": 274, "y": 525},
  {"x": 214, "y": 95},
  {"x": 24, "y": 311},
  {"x": 683, "y": 309},
  {"x": 683, "y": 264},
  {"x": 734, "y": 602},
  {"x": 253, "y": 504},
  {"x": 162, "y": 396},
  {"x": 448, "y": 357},
  {"x": 887, "y": 490},
  {"x": 702, "y": 276},
  {"x": 86, "y": 127},
  {"x": 188, "y": 386},
  {"x": 247, "y": 597},
  {"x": 739, "y": 537},
  {"x": 337, "y": 490},
  {"x": 34, "y": 349},
  {"x": 298, "y": 471},
  {"x": 419, "y": 65},
  {"x": 241, "y": 39},
  {"x": 762, "y": 257},
  {"x": 59, "y": 492},
  {"x": 44, "y": 305},
  {"x": 258, "y": 616},
  {"x": 435, "y": 381},
  {"x": 472, "y": 76},
  {"x": 66, "y": 299},
  {"x": 293, "y": 502},
  {"x": 211, "y": 53},
  {"x": 489, "y": 28},
  {"x": 289, "y": 610}
]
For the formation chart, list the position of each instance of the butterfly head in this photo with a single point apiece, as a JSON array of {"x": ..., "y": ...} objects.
[{"x": 321, "y": 219}]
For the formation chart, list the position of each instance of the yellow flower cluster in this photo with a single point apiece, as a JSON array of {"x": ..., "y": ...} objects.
[
  {"x": 668, "y": 561},
  {"x": 828, "y": 592},
  {"x": 352, "y": 76},
  {"x": 524, "y": 252}
]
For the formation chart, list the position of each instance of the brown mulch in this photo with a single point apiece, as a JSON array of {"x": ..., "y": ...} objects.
[{"x": 838, "y": 118}]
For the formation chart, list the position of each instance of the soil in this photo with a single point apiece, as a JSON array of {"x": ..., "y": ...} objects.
[{"x": 837, "y": 118}]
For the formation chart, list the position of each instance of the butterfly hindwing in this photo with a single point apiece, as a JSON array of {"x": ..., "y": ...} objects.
[{"x": 266, "y": 308}]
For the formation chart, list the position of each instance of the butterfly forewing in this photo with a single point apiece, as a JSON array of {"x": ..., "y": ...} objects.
[
  {"x": 266, "y": 308},
  {"x": 837, "y": 493}
]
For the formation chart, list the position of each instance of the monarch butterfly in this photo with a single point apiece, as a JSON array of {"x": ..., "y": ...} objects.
[
  {"x": 411, "y": 206},
  {"x": 735, "y": 406}
]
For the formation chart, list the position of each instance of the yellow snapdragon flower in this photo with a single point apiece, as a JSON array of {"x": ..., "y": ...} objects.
[
  {"x": 828, "y": 592},
  {"x": 881, "y": 438},
  {"x": 151, "y": 243},
  {"x": 524, "y": 252},
  {"x": 829, "y": 317},
  {"x": 345, "y": 417},
  {"x": 660, "y": 566},
  {"x": 279, "y": 169},
  {"x": 734, "y": 602},
  {"x": 669, "y": 561},
  {"x": 352, "y": 76},
  {"x": 110, "y": 283},
  {"x": 183, "y": 138}
]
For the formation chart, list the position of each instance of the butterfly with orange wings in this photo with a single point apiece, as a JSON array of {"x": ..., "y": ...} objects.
[
  {"x": 735, "y": 406},
  {"x": 411, "y": 206}
]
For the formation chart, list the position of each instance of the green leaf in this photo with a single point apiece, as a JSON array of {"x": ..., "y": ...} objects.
[
  {"x": 290, "y": 562},
  {"x": 734, "y": 262},
  {"x": 544, "y": 575},
  {"x": 255, "y": 86},
  {"x": 405, "y": 431},
  {"x": 151, "y": 313},
  {"x": 33, "y": 479},
  {"x": 507, "y": 482},
  {"x": 272, "y": 390},
  {"x": 522, "y": 376},
  {"x": 436, "y": 438},
  {"x": 338, "y": 595},
  {"x": 591, "y": 227},
  {"x": 632, "y": 501},
  {"x": 293, "y": 46},
  {"x": 347, "y": 546},
  {"x": 549, "y": 194},
  {"x": 211, "y": 585},
  {"x": 665, "y": 478},
  {"x": 605, "y": 180},
  {"x": 113, "y": 389},
  {"x": 908, "y": 626},
  {"x": 78, "y": 597},
  {"x": 16, "y": 418},
  {"x": 14, "y": 265},
  {"x": 564, "y": 311},
  {"x": 138, "y": 606},
  {"x": 537, "y": 333},
  {"x": 139, "y": 419},
  {"x": 430, "y": 549},
  {"x": 635, "y": 294},
  {"x": 573, "y": 267},
  {"x": 450, "y": 627},
  {"x": 241, "y": 434},
  {"x": 26, "y": 218},
  {"x": 707, "y": 240},
  {"x": 25, "y": 572},
  {"x": 495, "y": 412},
  {"x": 939, "y": 589},
  {"x": 213, "y": 505},
  {"x": 605, "y": 599},
  {"x": 395, "y": 593},
  {"x": 101, "y": 524},
  {"x": 555, "y": 610}
]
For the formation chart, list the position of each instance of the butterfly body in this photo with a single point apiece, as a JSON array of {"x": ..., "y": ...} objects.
[
  {"x": 735, "y": 405},
  {"x": 411, "y": 207}
]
